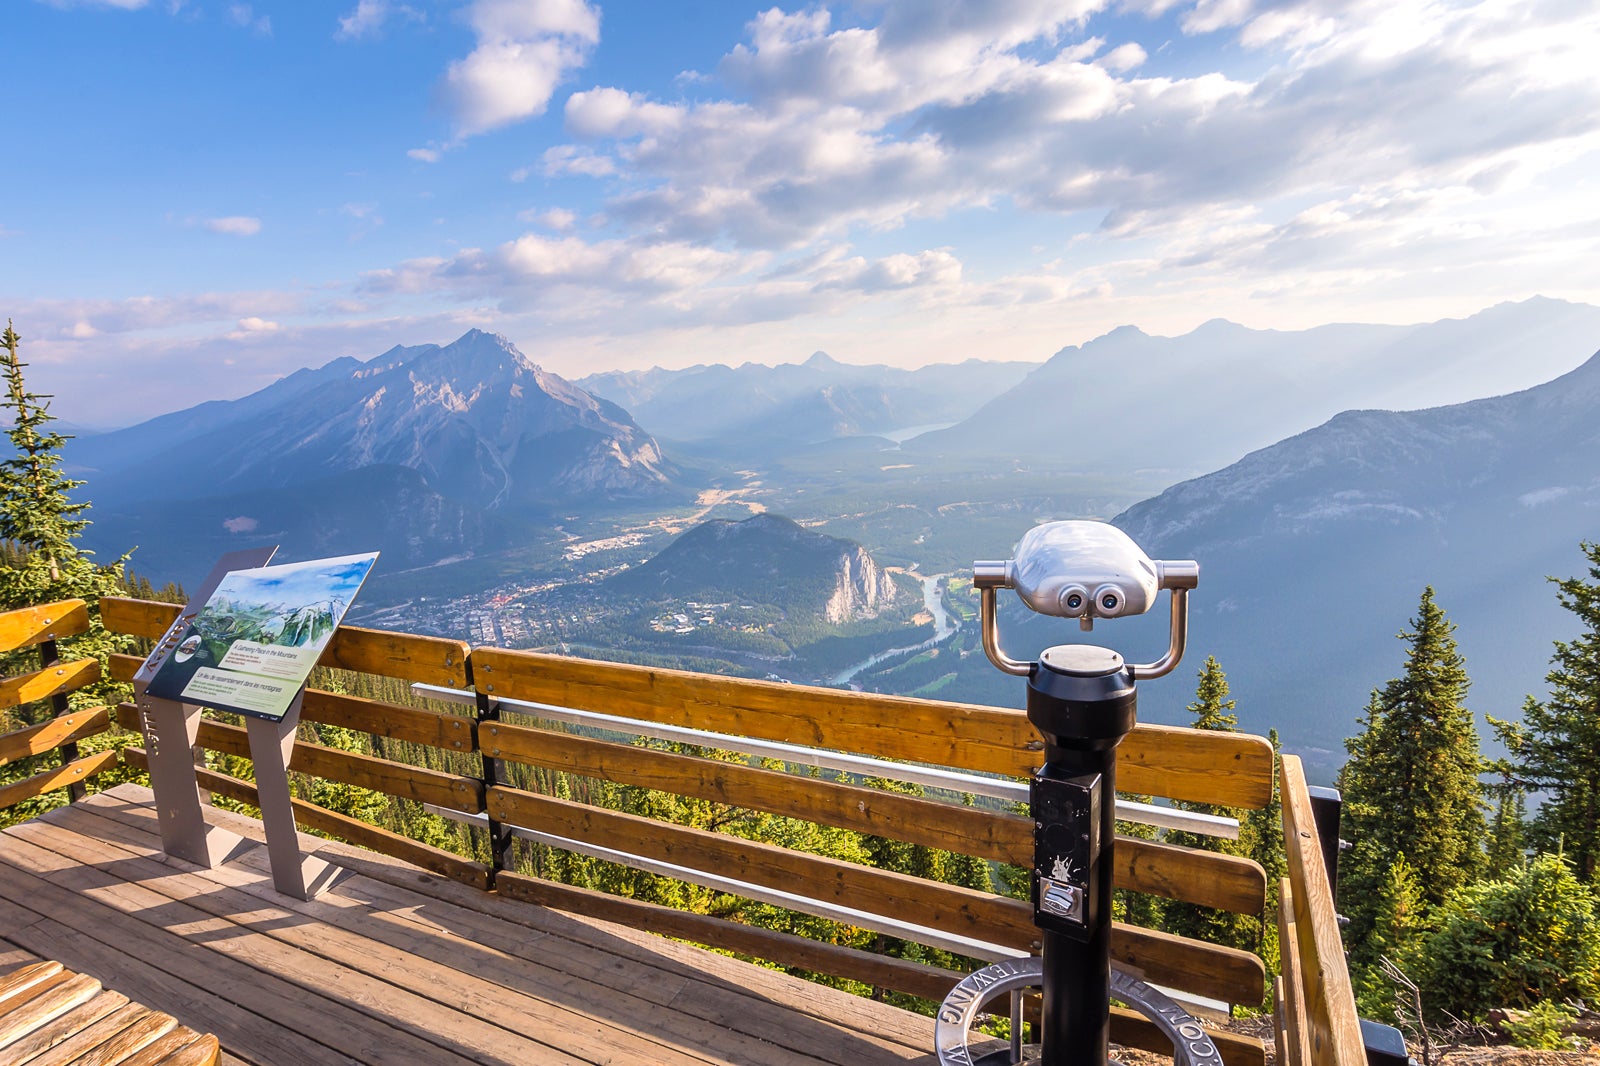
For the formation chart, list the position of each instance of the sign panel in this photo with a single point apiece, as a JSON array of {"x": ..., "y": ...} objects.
[{"x": 253, "y": 644}]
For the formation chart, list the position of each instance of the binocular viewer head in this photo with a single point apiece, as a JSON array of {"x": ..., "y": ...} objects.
[{"x": 1085, "y": 570}]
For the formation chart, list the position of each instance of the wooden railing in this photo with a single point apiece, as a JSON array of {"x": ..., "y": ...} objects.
[
  {"x": 1181, "y": 764},
  {"x": 52, "y": 683},
  {"x": 1315, "y": 1003}
]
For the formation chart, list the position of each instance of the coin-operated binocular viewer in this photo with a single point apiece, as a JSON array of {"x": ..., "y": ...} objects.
[{"x": 1082, "y": 699}]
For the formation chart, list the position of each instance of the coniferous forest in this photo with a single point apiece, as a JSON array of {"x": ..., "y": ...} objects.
[{"x": 1471, "y": 884}]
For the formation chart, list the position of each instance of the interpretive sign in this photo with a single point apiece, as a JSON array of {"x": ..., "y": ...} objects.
[{"x": 251, "y": 647}]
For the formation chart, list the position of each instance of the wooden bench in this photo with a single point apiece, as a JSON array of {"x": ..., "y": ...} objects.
[{"x": 50, "y": 1016}]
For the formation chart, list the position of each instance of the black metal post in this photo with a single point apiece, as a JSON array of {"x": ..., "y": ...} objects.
[
  {"x": 50, "y": 657},
  {"x": 1083, "y": 700},
  {"x": 494, "y": 773}
]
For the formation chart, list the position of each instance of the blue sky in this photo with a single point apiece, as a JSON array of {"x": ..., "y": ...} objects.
[{"x": 202, "y": 195}]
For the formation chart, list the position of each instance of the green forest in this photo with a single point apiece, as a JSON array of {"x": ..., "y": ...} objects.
[{"x": 1471, "y": 884}]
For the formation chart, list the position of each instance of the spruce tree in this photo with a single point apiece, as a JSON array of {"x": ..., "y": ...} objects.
[
  {"x": 1411, "y": 784},
  {"x": 1557, "y": 749},
  {"x": 40, "y": 524},
  {"x": 1213, "y": 710}
]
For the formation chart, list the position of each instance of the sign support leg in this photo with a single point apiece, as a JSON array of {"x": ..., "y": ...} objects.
[
  {"x": 271, "y": 745},
  {"x": 170, "y": 730}
]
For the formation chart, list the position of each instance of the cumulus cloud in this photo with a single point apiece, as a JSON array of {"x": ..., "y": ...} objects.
[
  {"x": 234, "y": 225},
  {"x": 525, "y": 48}
]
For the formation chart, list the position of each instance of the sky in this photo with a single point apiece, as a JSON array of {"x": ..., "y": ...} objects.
[{"x": 200, "y": 196}]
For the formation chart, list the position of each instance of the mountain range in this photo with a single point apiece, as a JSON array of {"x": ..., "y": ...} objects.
[
  {"x": 424, "y": 452},
  {"x": 1186, "y": 405},
  {"x": 796, "y": 405}
]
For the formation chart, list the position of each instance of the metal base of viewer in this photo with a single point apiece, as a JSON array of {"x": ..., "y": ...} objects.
[{"x": 1191, "y": 1044}]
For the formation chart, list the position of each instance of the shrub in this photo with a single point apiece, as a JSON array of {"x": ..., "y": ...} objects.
[{"x": 1532, "y": 937}]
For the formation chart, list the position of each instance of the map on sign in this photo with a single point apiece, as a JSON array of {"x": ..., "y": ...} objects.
[{"x": 256, "y": 639}]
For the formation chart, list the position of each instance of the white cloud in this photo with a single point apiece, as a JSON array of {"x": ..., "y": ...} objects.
[
  {"x": 234, "y": 225},
  {"x": 558, "y": 219},
  {"x": 423, "y": 155},
  {"x": 570, "y": 159},
  {"x": 365, "y": 21},
  {"x": 253, "y": 324},
  {"x": 244, "y": 16},
  {"x": 525, "y": 48}
]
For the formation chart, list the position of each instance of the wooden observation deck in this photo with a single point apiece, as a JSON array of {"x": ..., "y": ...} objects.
[{"x": 417, "y": 954}]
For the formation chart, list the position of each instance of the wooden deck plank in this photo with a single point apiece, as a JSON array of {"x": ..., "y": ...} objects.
[
  {"x": 436, "y": 971},
  {"x": 483, "y": 982},
  {"x": 651, "y": 981},
  {"x": 211, "y": 991},
  {"x": 639, "y": 950},
  {"x": 48, "y": 1036},
  {"x": 240, "y": 938}
]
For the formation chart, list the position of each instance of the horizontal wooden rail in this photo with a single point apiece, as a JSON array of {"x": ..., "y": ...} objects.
[
  {"x": 38, "y": 739},
  {"x": 1205, "y": 969},
  {"x": 962, "y": 911},
  {"x": 75, "y": 772},
  {"x": 451, "y": 732},
  {"x": 1327, "y": 1004},
  {"x": 1202, "y": 766},
  {"x": 50, "y": 681},
  {"x": 27, "y": 626},
  {"x": 455, "y": 791},
  {"x": 945, "y": 734},
  {"x": 351, "y": 830},
  {"x": 1194, "y": 876},
  {"x": 435, "y": 660},
  {"x": 786, "y": 949}
]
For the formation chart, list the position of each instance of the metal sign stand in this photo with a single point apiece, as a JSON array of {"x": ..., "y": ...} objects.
[{"x": 170, "y": 731}]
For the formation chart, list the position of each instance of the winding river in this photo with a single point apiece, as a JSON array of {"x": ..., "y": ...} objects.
[{"x": 943, "y": 627}]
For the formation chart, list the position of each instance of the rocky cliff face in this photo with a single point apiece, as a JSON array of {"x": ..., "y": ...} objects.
[{"x": 861, "y": 589}]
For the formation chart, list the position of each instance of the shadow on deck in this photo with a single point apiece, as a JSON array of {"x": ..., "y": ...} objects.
[{"x": 398, "y": 965}]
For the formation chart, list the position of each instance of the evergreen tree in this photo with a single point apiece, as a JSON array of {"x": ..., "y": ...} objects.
[
  {"x": 1212, "y": 710},
  {"x": 40, "y": 525},
  {"x": 1411, "y": 784},
  {"x": 40, "y": 562},
  {"x": 1261, "y": 836},
  {"x": 1557, "y": 749},
  {"x": 1397, "y": 926},
  {"x": 1507, "y": 850}
]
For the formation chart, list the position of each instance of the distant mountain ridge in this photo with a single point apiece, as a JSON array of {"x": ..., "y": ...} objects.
[
  {"x": 481, "y": 422},
  {"x": 424, "y": 453},
  {"x": 765, "y": 559},
  {"x": 799, "y": 404},
  {"x": 1314, "y": 550},
  {"x": 1129, "y": 401}
]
